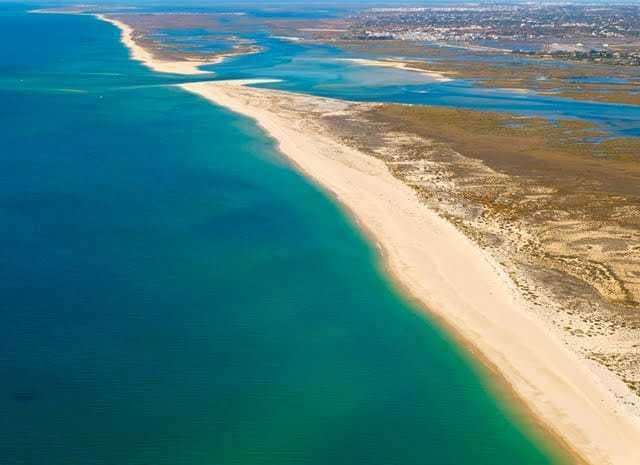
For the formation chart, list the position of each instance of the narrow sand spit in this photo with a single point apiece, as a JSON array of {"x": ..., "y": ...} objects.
[
  {"x": 398, "y": 65},
  {"x": 162, "y": 66},
  {"x": 451, "y": 276}
]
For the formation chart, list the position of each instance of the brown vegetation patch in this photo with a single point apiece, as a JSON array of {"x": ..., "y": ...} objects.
[{"x": 561, "y": 213}]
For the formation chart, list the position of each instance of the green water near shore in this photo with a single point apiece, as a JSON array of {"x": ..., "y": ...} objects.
[{"x": 175, "y": 293}]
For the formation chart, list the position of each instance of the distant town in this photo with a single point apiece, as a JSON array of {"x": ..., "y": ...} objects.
[{"x": 595, "y": 33}]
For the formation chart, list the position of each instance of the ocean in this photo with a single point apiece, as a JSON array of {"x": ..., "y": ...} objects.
[{"x": 175, "y": 293}]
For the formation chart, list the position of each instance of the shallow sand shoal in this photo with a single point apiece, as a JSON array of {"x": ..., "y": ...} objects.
[
  {"x": 398, "y": 65},
  {"x": 453, "y": 278}
]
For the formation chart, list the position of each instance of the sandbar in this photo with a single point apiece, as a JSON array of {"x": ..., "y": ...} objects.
[
  {"x": 398, "y": 65},
  {"x": 138, "y": 53}
]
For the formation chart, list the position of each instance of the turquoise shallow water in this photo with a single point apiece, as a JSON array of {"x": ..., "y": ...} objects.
[{"x": 174, "y": 293}]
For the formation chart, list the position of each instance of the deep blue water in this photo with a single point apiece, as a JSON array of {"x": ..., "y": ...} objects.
[{"x": 174, "y": 293}]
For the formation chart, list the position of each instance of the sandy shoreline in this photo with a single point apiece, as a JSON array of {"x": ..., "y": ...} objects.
[
  {"x": 138, "y": 53},
  {"x": 398, "y": 65},
  {"x": 426, "y": 254}
]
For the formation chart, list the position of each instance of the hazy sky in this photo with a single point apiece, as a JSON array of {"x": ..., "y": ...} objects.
[{"x": 257, "y": 3}]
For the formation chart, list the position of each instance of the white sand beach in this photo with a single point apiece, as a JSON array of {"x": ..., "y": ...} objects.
[{"x": 451, "y": 277}]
